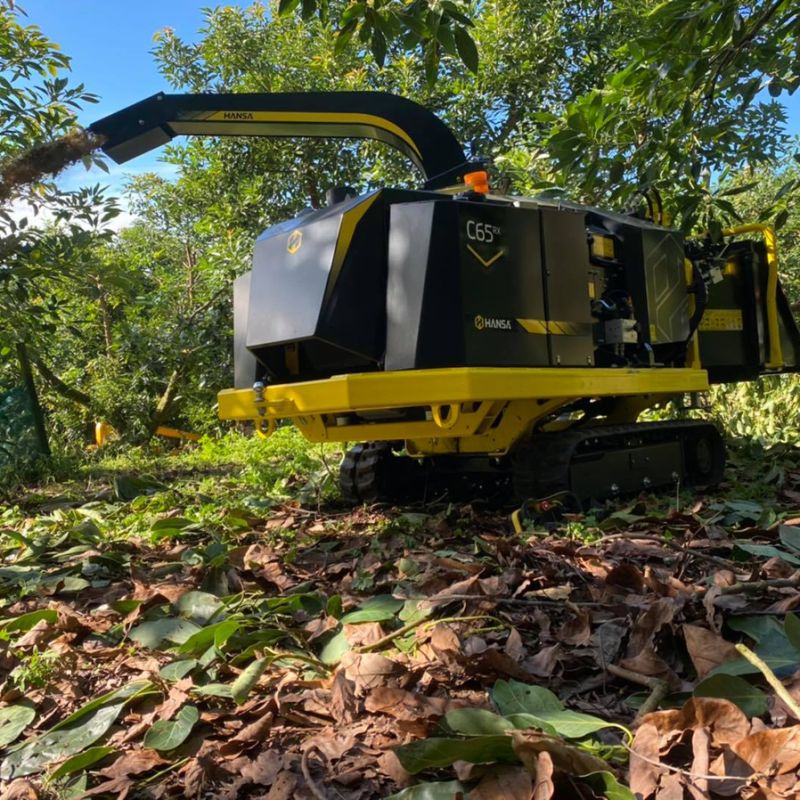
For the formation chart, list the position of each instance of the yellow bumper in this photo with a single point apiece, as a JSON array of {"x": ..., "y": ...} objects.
[{"x": 466, "y": 409}]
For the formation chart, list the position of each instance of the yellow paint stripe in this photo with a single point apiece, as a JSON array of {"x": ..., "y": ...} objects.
[
  {"x": 483, "y": 261},
  {"x": 315, "y": 117},
  {"x": 533, "y": 325},
  {"x": 347, "y": 228}
]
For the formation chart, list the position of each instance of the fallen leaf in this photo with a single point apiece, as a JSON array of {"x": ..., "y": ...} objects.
[
  {"x": 566, "y": 757},
  {"x": 504, "y": 783},
  {"x": 774, "y": 751},
  {"x": 404, "y": 705},
  {"x": 644, "y": 774},
  {"x": 544, "y": 788},
  {"x": 707, "y": 649},
  {"x": 19, "y": 789}
]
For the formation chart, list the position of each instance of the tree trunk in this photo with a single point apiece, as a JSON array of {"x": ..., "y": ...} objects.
[{"x": 64, "y": 389}]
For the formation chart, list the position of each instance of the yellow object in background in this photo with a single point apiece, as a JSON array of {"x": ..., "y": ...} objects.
[{"x": 103, "y": 432}]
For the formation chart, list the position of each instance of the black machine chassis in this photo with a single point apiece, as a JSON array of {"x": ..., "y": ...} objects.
[{"x": 590, "y": 464}]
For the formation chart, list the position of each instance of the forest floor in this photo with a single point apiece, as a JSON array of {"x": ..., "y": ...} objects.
[{"x": 213, "y": 623}]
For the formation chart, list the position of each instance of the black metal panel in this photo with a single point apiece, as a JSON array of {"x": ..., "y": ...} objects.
[
  {"x": 465, "y": 286},
  {"x": 401, "y": 123},
  {"x": 567, "y": 277}
]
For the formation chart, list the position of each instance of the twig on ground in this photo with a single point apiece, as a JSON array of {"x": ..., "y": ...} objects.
[
  {"x": 691, "y": 777},
  {"x": 524, "y": 601},
  {"x": 772, "y": 678},
  {"x": 658, "y": 688},
  {"x": 312, "y": 785},
  {"x": 676, "y": 546},
  {"x": 758, "y": 586}
]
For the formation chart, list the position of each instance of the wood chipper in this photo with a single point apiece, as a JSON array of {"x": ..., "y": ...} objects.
[{"x": 457, "y": 332}]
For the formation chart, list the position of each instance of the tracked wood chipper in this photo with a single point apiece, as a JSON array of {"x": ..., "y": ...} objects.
[{"x": 457, "y": 332}]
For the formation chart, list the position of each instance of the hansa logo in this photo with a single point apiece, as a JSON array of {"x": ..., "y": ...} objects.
[
  {"x": 294, "y": 242},
  {"x": 492, "y": 323}
]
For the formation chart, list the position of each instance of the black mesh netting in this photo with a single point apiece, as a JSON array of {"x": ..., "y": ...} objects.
[{"x": 18, "y": 440}]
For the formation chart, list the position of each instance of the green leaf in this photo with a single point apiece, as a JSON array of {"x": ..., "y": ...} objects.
[
  {"x": 81, "y": 761},
  {"x": 791, "y": 626},
  {"x": 766, "y": 551},
  {"x": 216, "y": 634},
  {"x": 334, "y": 648},
  {"x": 781, "y": 219},
  {"x": 756, "y": 627},
  {"x": 467, "y": 48},
  {"x": 13, "y": 720},
  {"x": 176, "y": 670},
  {"x": 199, "y": 607},
  {"x": 377, "y": 609},
  {"x": 171, "y": 524},
  {"x": 437, "y": 753},
  {"x": 244, "y": 683},
  {"x": 73, "y": 734},
  {"x": 774, "y": 648},
  {"x": 535, "y": 706},
  {"x": 604, "y": 784},
  {"x": 729, "y": 687},
  {"x": 476, "y": 722},
  {"x": 167, "y": 734},
  {"x": 25, "y": 622},
  {"x": 214, "y": 690},
  {"x": 513, "y": 697},
  {"x": 444, "y": 790},
  {"x": 789, "y": 536},
  {"x": 152, "y": 633}
]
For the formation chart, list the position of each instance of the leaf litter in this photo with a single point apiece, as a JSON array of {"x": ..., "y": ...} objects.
[{"x": 177, "y": 643}]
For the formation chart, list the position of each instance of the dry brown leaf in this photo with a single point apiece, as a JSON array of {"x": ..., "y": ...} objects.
[
  {"x": 729, "y": 765},
  {"x": 123, "y": 772},
  {"x": 776, "y": 751},
  {"x": 577, "y": 630},
  {"x": 567, "y": 758},
  {"x": 263, "y": 769},
  {"x": 670, "y": 787},
  {"x": 626, "y": 576},
  {"x": 544, "y": 788},
  {"x": 404, "y": 705},
  {"x": 698, "y": 786},
  {"x": 504, "y": 783},
  {"x": 644, "y": 775},
  {"x": 723, "y": 719},
  {"x": 706, "y": 649},
  {"x": 344, "y": 705},
  {"x": 370, "y": 670},
  {"x": 514, "y": 646},
  {"x": 38, "y": 634},
  {"x": 19, "y": 789},
  {"x": 284, "y": 787},
  {"x": 445, "y": 640},
  {"x": 248, "y": 736},
  {"x": 658, "y": 614},
  {"x": 178, "y": 695},
  {"x": 362, "y": 633},
  {"x": 543, "y": 664}
]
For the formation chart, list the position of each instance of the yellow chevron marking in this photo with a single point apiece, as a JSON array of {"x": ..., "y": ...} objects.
[{"x": 483, "y": 261}]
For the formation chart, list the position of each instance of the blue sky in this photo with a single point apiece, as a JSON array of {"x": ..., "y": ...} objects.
[{"x": 110, "y": 44}]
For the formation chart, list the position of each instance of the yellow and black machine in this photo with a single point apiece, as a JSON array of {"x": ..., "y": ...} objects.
[{"x": 461, "y": 334}]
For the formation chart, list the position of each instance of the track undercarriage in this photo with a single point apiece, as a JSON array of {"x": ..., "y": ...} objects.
[{"x": 589, "y": 464}]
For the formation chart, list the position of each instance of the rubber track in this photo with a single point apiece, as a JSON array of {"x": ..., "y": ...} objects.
[{"x": 541, "y": 466}]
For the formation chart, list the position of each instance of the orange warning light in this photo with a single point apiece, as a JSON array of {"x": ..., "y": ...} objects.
[{"x": 478, "y": 181}]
